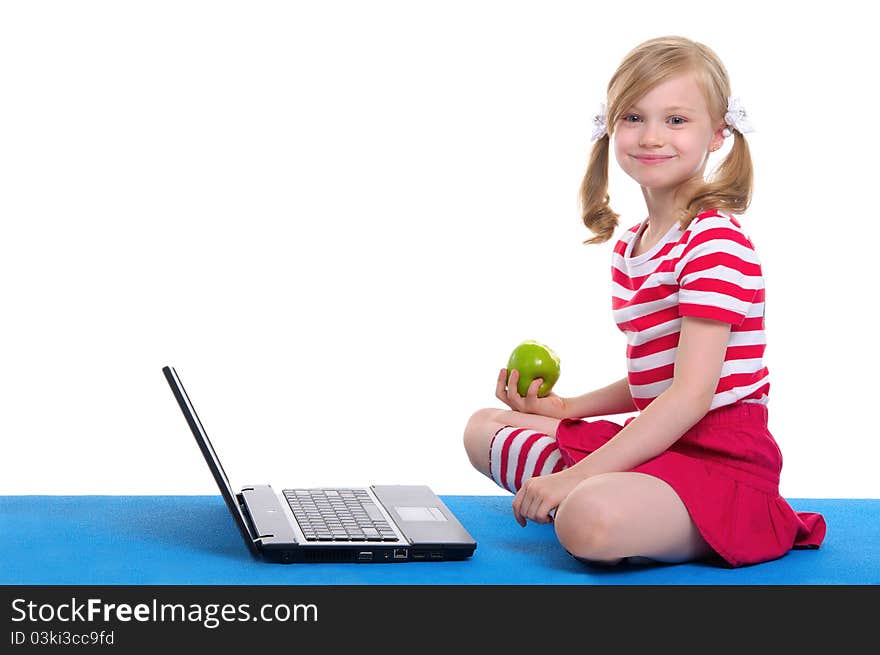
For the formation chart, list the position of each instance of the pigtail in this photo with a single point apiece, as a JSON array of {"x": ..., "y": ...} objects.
[
  {"x": 729, "y": 188},
  {"x": 596, "y": 211}
]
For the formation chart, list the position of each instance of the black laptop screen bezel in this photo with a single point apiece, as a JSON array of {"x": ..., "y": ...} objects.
[{"x": 210, "y": 455}]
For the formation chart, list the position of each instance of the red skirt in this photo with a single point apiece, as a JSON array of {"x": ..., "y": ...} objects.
[{"x": 726, "y": 471}]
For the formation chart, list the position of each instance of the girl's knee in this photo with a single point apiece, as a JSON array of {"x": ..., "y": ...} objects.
[
  {"x": 480, "y": 425},
  {"x": 584, "y": 525},
  {"x": 484, "y": 416},
  {"x": 478, "y": 433}
]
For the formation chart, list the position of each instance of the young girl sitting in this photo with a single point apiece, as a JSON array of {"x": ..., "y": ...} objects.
[{"x": 695, "y": 474}]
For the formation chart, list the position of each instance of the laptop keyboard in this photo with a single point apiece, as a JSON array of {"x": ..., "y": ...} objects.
[{"x": 338, "y": 515}]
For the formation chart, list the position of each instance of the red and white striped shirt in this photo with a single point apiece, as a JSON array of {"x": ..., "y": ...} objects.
[{"x": 709, "y": 270}]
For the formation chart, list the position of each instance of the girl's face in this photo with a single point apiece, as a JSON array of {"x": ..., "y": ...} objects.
[{"x": 663, "y": 141}]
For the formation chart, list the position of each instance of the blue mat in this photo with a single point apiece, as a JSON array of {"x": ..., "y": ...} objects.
[{"x": 161, "y": 540}]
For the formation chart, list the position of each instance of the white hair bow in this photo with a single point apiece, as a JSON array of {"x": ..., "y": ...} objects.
[
  {"x": 736, "y": 118},
  {"x": 600, "y": 127}
]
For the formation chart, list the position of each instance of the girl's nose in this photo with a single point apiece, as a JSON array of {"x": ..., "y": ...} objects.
[{"x": 651, "y": 135}]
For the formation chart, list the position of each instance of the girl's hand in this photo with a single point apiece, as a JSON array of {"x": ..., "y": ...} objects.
[
  {"x": 550, "y": 405},
  {"x": 541, "y": 495}
]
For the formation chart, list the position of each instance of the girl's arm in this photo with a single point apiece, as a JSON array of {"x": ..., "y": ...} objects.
[
  {"x": 613, "y": 399},
  {"x": 698, "y": 364}
]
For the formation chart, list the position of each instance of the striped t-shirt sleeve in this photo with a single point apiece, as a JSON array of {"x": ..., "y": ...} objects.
[{"x": 718, "y": 273}]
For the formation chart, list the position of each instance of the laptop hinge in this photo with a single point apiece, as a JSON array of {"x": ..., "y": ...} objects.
[
  {"x": 251, "y": 526},
  {"x": 266, "y": 516}
]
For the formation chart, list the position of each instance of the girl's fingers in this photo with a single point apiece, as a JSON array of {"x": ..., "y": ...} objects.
[
  {"x": 500, "y": 391},
  {"x": 531, "y": 508},
  {"x": 517, "y": 508},
  {"x": 513, "y": 398},
  {"x": 532, "y": 393},
  {"x": 542, "y": 513},
  {"x": 529, "y": 404}
]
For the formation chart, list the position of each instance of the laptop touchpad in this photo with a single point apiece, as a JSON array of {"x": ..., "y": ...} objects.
[{"x": 419, "y": 514}]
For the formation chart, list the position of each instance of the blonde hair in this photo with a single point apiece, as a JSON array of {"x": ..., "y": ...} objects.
[{"x": 730, "y": 186}]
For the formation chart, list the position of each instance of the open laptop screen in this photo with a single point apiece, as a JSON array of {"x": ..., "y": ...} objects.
[{"x": 210, "y": 456}]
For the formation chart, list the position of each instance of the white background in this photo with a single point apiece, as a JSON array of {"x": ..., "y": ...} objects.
[{"x": 337, "y": 219}]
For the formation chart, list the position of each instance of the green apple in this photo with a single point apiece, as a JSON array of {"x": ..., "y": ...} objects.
[{"x": 534, "y": 360}]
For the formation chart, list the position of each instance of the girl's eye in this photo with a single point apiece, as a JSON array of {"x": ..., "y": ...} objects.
[{"x": 633, "y": 118}]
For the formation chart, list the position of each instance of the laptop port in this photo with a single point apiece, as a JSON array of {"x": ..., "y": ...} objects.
[
  {"x": 418, "y": 554},
  {"x": 365, "y": 556},
  {"x": 400, "y": 553},
  {"x": 436, "y": 554}
]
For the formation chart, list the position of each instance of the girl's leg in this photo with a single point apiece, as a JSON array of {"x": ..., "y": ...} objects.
[
  {"x": 616, "y": 515},
  {"x": 485, "y": 423},
  {"x": 605, "y": 518}
]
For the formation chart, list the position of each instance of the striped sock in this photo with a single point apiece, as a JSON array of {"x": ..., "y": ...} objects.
[{"x": 517, "y": 454}]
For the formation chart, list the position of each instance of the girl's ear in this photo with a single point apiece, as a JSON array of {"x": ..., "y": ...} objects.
[{"x": 717, "y": 138}]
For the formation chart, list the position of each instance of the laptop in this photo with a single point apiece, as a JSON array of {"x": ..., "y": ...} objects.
[{"x": 379, "y": 523}]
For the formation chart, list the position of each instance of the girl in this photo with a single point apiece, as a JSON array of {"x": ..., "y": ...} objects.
[{"x": 695, "y": 474}]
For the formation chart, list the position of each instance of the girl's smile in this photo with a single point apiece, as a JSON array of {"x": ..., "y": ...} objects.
[{"x": 650, "y": 160}]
